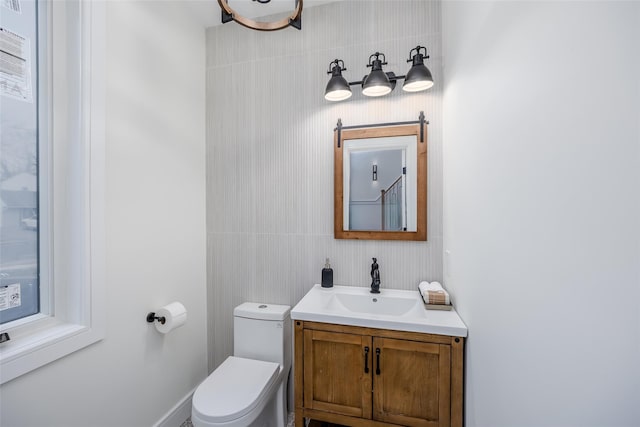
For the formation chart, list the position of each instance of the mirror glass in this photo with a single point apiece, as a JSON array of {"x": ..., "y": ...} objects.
[{"x": 380, "y": 183}]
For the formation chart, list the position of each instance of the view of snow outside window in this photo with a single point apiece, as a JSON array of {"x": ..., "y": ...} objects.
[{"x": 19, "y": 282}]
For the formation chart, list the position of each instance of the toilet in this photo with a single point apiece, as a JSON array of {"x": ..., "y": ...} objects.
[{"x": 249, "y": 389}]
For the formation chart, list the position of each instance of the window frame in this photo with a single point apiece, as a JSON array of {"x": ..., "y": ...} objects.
[{"x": 72, "y": 310}]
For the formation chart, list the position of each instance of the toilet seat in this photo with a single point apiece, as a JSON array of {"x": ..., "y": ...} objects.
[{"x": 235, "y": 388}]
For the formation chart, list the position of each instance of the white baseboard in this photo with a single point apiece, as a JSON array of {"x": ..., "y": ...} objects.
[{"x": 178, "y": 414}]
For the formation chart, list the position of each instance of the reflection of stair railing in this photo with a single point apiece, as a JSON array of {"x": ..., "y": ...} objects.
[{"x": 392, "y": 206}]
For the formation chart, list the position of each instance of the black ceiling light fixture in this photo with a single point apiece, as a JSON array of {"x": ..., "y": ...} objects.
[
  {"x": 379, "y": 82},
  {"x": 294, "y": 19}
]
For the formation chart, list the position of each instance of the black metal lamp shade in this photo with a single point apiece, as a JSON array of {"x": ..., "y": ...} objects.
[
  {"x": 377, "y": 83},
  {"x": 419, "y": 77},
  {"x": 338, "y": 88}
]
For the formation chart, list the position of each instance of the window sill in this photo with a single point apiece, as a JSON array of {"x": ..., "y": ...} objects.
[{"x": 38, "y": 348}]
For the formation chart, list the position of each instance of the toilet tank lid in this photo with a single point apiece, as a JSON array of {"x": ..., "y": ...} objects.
[{"x": 262, "y": 311}]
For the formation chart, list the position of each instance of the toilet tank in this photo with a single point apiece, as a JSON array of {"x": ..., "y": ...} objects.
[{"x": 263, "y": 332}]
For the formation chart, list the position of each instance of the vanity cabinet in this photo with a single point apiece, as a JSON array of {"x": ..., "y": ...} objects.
[{"x": 359, "y": 376}]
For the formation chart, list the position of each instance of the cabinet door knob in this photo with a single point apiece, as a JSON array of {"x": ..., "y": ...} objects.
[
  {"x": 366, "y": 360},
  {"x": 377, "y": 361}
]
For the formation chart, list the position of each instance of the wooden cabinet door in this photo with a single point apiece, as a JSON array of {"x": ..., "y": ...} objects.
[
  {"x": 337, "y": 373},
  {"x": 411, "y": 382}
]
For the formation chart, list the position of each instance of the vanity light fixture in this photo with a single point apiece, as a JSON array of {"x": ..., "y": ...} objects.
[{"x": 379, "y": 82}]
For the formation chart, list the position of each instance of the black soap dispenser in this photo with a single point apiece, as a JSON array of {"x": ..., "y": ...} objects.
[{"x": 327, "y": 276}]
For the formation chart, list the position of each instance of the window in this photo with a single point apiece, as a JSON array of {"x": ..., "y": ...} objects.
[
  {"x": 19, "y": 159},
  {"x": 52, "y": 180}
]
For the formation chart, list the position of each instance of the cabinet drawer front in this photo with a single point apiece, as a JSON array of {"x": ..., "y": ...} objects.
[
  {"x": 334, "y": 373},
  {"x": 411, "y": 382}
]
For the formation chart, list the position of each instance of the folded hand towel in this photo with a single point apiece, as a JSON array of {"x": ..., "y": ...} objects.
[{"x": 433, "y": 293}]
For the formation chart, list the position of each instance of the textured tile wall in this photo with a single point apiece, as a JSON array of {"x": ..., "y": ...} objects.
[{"x": 270, "y": 154}]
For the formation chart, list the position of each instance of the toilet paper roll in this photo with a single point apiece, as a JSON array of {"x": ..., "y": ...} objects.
[{"x": 175, "y": 316}]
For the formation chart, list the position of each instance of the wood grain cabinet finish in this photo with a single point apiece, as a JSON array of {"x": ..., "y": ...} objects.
[
  {"x": 357, "y": 376},
  {"x": 334, "y": 373}
]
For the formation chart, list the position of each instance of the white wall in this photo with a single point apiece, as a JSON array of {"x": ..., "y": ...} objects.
[
  {"x": 270, "y": 155},
  {"x": 541, "y": 208},
  {"x": 155, "y": 218}
]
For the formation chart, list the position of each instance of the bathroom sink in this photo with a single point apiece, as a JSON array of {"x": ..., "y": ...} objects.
[
  {"x": 372, "y": 304},
  {"x": 390, "y": 309}
]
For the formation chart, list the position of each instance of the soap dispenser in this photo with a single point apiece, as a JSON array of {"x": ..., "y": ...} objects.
[{"x": 327, "y": 275}]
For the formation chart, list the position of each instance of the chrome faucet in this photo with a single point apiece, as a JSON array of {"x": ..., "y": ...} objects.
[{"x": 375, "y": 277}]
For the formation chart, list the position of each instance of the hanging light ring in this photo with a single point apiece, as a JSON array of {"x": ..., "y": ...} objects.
[{"x": 293, "y": 19}]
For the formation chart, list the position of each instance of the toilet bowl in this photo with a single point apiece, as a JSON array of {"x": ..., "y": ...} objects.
[{"x": 249, "y": 388}]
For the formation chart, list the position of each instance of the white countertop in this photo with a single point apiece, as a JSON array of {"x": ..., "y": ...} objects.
[{"x": 390, "y": 309}]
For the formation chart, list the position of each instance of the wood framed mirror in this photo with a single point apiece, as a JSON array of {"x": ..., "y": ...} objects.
[{"x": 380, "y": 181}]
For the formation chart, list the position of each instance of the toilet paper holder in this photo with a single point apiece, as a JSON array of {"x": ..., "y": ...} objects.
[
  {"x": 151, "y": 317},
  {"x": 166, "y": 319}
]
